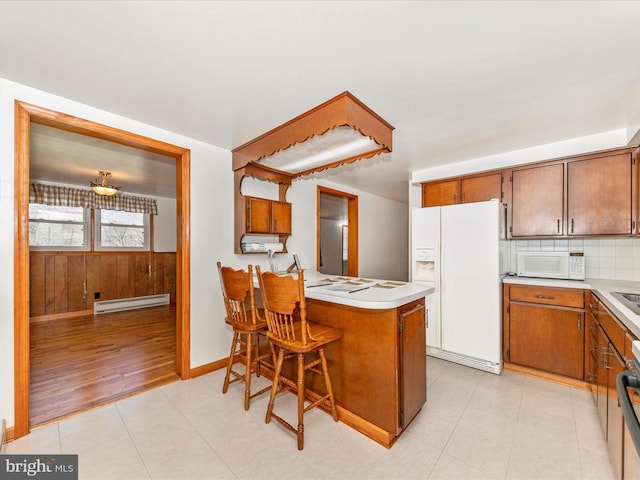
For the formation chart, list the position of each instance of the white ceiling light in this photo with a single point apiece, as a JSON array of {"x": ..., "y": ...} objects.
[
  {"x": 101, "y": 187},
  {"x": 330, "y": 147}
]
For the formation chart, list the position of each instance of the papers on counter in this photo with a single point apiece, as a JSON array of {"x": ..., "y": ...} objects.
[{"x": 351, "y": 285}]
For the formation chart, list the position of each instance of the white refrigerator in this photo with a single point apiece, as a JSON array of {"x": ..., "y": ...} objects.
[{"x": 462, "y": 250}]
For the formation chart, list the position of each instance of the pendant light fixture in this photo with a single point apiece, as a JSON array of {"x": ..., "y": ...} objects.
[{"x": 101, "y": 187}]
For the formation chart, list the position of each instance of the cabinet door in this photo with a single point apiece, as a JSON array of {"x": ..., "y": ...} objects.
[
  {"x": 537, "y": 201},
  {"x": 546, "y": 338},
  {"x": 258, "y": 215},
  {"x": 602, "y": 380},
  {"x": 413, "y": 363},
  {"x": 615, "y": 419},
  {"x": 599, "y": 198},
  {"x": 441, "y": 193},
  {"x": 480, "y": 189},
  {"x": 281, "y": 218}
]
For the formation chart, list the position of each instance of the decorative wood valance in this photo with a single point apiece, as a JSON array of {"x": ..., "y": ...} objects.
[{"x": 344, "y": 116}]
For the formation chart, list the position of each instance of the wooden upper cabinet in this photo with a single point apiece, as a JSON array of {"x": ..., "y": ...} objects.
[
  {"x": 437, "y": 194},
  {"x": 281, "y": 218},
  {"x": 477, "y": 188},
  {"x": 258, "y": 215},
  {"x": 267, "y": 216},
  {"x": 599, "y": 197},
  {"x": 481, "y": 188},
  {"x": 537, "y": 201}
]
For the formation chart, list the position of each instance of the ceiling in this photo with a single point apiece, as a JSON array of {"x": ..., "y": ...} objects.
[{"x": 458, "y": 80}]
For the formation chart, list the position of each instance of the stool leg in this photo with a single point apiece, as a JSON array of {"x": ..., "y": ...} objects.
[
  {"x": 247, "y": 373},
  {"x": 300, "y": 401},
  {"x": 258, "y": 362},
  {"x": 327, "y": 382},
  {"x": 225, "y": 385},
  {"x": 274, "y": 387}
]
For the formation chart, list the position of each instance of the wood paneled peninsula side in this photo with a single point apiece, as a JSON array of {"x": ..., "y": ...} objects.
[{"x": 378, "y": 368}]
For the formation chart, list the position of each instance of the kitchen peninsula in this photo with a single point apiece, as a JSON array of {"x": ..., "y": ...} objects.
[{"x": 378, "y": 368}]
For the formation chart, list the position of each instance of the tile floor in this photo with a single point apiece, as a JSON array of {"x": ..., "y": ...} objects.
[{"x": 475, "y": 425}]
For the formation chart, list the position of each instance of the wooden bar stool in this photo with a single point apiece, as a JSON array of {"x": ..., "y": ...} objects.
[
  {"x": 244, "y": 318},
  {"x": 294, "y": 337}
]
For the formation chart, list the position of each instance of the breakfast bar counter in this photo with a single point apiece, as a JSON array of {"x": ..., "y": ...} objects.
[{"x": 378, "y": 368}]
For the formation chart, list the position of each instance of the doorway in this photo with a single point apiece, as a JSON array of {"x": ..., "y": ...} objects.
[
  {"x": 337, "y": 232},
  {"x": 25, "y": 114}
]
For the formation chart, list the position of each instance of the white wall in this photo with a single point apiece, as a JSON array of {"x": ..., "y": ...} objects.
[
  {"x": 164, "y": 225},
  {"x": 573, "y": 146},
  {"x": 383, "y": 229},
  {"x": 211, "y": 198}
]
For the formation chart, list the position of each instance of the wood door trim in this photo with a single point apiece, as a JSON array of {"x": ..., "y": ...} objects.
[
  {"x": 352, "y": 215},
  {"x": 24, "y": 114}
]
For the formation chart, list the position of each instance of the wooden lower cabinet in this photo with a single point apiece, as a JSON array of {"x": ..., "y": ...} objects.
[
  {"x": 549, "y": 335},
  {"x": 542, "y": 331},
  {"x": 547, "y": 338},
  {"x": 610, "y": 343},
  {"x": 378, "y": 367}
]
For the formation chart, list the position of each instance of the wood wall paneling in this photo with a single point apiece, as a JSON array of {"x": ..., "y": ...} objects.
[
  {"x": 108, "y": 277},
  {"x": 93, "y": 279},
  {"x": 37, "y": 286},
  {"x": 77, "y": 300},
  {"x": 58, "y": 279}
]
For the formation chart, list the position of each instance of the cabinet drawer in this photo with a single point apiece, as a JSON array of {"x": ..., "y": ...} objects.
[
  {"x": 613, "y": 330},
  {"x": 547, "y": 296}
]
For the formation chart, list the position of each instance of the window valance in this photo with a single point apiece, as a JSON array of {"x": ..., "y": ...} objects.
[{"x": 85, "y": 198}]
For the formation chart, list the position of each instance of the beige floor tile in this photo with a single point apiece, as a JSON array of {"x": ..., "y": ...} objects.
[
  {"x": 475, "y": 425},
  {"x": 450, "y": 468},
  {"x": 45, "y": 439}
]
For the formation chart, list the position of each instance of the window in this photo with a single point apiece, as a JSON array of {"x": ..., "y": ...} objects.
[
  {"x": 59, "y": 228},
  {"x": 118, "y": 230}
]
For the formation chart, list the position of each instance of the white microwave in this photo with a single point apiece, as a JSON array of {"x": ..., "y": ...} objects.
[{"x": 566, "y": 265}]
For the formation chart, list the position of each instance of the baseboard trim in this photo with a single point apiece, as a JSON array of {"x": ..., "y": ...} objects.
[
  {"x": 209, "y": 367},
  {"x": 58, "y": 316},
  {"x": 552, "y": 377}
]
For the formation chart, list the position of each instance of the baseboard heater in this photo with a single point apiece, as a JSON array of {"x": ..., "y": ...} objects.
[{"x": 120, "y": 304}]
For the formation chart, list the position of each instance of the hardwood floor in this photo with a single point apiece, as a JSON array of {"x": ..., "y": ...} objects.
[{"x": 79, "y": 363}]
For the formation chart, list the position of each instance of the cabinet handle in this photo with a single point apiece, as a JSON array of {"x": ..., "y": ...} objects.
[
  {"x": 633, "y": 226},
  {"x": 591, "y": 305},
  {"x": 579, "y": 321},
  {"x": 455, "y": 198},
  {"x": 462, "y": 198},
  {"x": 546, "y": 297},
  {"x": 558, "y": 225},
  {"x": 572, "y": 225}
]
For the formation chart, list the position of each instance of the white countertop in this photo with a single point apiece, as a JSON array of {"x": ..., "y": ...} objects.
[
  {"x": 602, "y": 287},
  {"x": 373, "y": 294}
]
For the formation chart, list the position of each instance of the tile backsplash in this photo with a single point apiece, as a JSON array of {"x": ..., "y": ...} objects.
[{"x": 606, "y": 258}]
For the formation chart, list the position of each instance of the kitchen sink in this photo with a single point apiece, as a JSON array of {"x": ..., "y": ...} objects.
[{"x": 629, "y": 300}]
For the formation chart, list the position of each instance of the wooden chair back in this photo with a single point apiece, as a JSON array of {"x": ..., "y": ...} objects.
[
  {"x": 281, "y": 294},
  {"x": 238, "y": 294}
]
